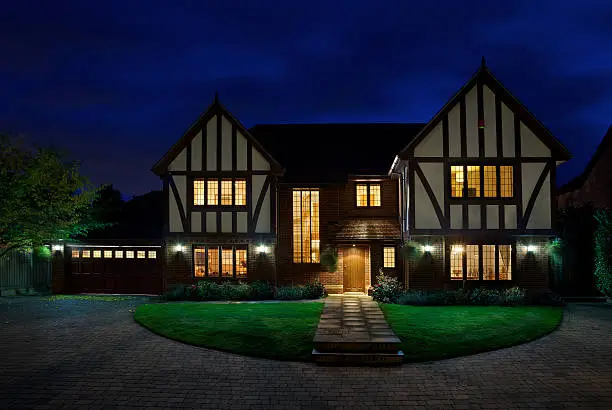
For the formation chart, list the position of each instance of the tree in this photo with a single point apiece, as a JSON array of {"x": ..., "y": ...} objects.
[
  {"x": 603, "y": 252},
  {"x": 43, "y": 198}
]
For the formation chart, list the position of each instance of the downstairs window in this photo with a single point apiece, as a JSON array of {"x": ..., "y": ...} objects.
[
  {"x": 496, "y": 262},
  {"x": 214, "y": 261}
]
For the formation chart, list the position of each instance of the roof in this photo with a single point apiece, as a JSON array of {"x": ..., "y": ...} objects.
[
  {"x": 485, "y": 76},
  {"x": 579, "y": 181},
  {"x": 215, "y": 108},
  {"x": 375, "y": 228},
  {"x": 330, "y": 152}
]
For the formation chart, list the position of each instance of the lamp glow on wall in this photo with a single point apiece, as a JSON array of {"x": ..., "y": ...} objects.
[
  {"x": 261, "y": 248},
  {"x": 531, "y": 248},
  {"x": 427, "y": 248},
  {"x": 179, "y": 248},
  {"x": 56, "y": 247}
]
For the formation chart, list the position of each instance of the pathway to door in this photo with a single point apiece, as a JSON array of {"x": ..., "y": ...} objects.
[{"x": 353, "y": 330}]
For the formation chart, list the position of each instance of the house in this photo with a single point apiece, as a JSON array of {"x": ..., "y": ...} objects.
[
  {"x": 594, "y": 184},
  {"x": 472, "y": 191}
]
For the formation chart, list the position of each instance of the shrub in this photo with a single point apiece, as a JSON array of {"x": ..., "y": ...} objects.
[
  {"x": 240, "y": 291},
  {"x": 513, "y": 296},
  {"x": 462, "y": 297},
  {"x": 413, "y": 297},
  {"x": 387, "y": 288},
  {"x": 546, "y": 298},
  {"x": 329, "y": 259},
  {"x": 603, "y": 252},
  {"x": 314, "y": 290},
  {"x": 262, "y": 290},
  {"x": 484, "y": 296},
  {"x": 176, "y": 293},
  {"x": 290, "y": 293},
  {"x": 207, "y": 290}
]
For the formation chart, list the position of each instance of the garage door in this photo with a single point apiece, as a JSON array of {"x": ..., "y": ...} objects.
[{"x": 115, "y": 269}]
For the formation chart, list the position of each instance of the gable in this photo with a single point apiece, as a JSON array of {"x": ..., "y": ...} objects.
[
  {"x": 217, "y": 141},
  {"x": 484, "y": 97}
]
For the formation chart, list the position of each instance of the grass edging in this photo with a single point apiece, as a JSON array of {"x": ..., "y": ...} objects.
[
  {"x": 443, "y": 332},
  {"x": 276, "y": 331}
]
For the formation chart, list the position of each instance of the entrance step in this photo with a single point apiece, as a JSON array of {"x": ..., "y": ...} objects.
[
  {"x": 377, "y": 345},
  {"x": 358, "y": 359}
]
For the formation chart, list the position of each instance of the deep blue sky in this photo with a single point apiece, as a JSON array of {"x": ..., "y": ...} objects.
[{"x": 118, "y": 82}]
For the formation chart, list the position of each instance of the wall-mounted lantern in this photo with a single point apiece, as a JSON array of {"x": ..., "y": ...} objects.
[
  {"x": 261, "y": 248},
  {"x": 532, "y": 248},
  {"x": 427, "y": 248},
  {"x": 57, "y": 248},
  {"x": 179, "y": 248}
]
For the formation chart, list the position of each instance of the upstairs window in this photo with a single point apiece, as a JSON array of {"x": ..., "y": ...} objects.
[
  {"x": 367, "y": 195},
  {"x": 224, "y": 192},
  {"x": 478, "y": 176}
]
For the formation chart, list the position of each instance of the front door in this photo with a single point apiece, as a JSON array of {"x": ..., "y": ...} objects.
[{"x": 354, "y": 269}]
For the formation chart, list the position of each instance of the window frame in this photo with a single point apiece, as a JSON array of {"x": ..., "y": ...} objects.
[
  {"x": 368, "y": 202},
  {"x": 219, "y": 251},
  {"x": 481, "y": 255},
  {"x": 219, "y": 181},
  {"x": 482, "y": 189}
]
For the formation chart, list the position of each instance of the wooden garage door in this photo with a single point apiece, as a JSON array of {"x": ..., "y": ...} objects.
[{"x": 129, "y": 270}]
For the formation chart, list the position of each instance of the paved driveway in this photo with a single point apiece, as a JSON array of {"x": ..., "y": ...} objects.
[{"x": 92, "y": 355}]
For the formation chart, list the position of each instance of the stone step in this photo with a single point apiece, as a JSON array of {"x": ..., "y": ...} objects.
[
  {"x": 358, "y": 359},
  {"x": 384, "y": 345}
]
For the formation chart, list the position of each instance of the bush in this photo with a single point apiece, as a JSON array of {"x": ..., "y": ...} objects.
[
  {"x": 603, "y": 252},
  {"x": 176, "y": 293},
  {"x": 484, "y": 296},
  {"x": 314, "y": 290},
  {"x": 329, "y": 259},
  {"x": 413, "y": 297},
  {"x": 290, "y": 293},
  {"x": 387, "y": 288},
  {"x": 546, "y": 298},
  {"x": 261, "y": 290},
  {"x": 513, "y": 296}
]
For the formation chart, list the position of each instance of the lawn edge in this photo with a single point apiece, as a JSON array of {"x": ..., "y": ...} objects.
[{"x": 215, "y": 348}]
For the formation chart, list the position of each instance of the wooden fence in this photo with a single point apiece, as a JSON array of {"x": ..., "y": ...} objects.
[{"x": 22, "y": 270}]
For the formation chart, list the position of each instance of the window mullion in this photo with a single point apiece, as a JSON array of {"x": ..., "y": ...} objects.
[
  {"x": 480, "y": 262},
  {"x": 498, "y": 181},
  {"x": 496, "y": 262},
  {"x": 465, "y": 182},
  {"x": 233, "y": 261},
  {"x": 220, "y": 260}
]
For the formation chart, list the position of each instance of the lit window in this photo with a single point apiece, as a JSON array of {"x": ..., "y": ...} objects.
[
  {"x": 490, "y": 181},
  {"x": 240, "y": 192},
  {"x": 241, "y": 262},
  {"x": 367, "y": 194},
  {"x": 457, "y": 181},
  {"x": 198, "y": 192},
  {"x": 505, "y": 263},
  {"x": 152, "y": 254},
  {"x": 75, "y": 253},
  {"x": 374, "y": 195},
  {"x": 472, "y": 255},
  {"x": 108, "y": 254},
  {"x": 389, "y": 257},
  {"x": 227, "y": 262},
  {"x": 488, "y": 262},
  {"x": 140, "y": 254},
  {"x": 213, "y": 261},
  {"x": 306, "y": 241},
  {"x": 118, "y": 254},
  {"x": 226, "y": 192},
  {"x": 86, "y": 254},
  {"x": 199, "y": 262},
  {"x": 97, "y": 254},
  {"x": 456, "y": 261},
  {"x": 129, "y": 254},
  {"x": 362, "y": 195},
  {"x": 473, "y": 179},
  {"x": 506, "y": 181},
  {"x": 212, "y": 186}
]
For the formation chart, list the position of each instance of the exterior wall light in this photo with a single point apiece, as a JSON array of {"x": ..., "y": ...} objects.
[
  {"x": 261, "y": 249},
  {"x": 532, "y": 248},
  {"x": 178, "y": 248},
  {"x": 427, "y": 248},
  {"x": 56, "y": 248}
]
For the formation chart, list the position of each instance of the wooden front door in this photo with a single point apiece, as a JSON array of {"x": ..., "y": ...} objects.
[{"x": 354, "y": 269}]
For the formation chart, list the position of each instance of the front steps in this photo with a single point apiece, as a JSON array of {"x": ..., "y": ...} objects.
[{"x": 353, "y": 331}]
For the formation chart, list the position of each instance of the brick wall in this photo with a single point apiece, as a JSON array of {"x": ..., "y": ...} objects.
[
  {"x": 179, "y": 269},
  {"x": 426, "y": 271},
  {"x": 388, "y": 200},
  {"x": 532, "y": 267}
]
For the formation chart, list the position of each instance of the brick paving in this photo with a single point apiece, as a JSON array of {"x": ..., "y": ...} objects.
[{"x": 92, "y": 355}]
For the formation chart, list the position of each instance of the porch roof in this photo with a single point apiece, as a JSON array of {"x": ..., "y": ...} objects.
[{"x": 368, "y": 228}]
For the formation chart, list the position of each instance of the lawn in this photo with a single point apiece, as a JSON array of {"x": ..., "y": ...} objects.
[
  {"x": 439, "y": 332},
  {"x": 281, "y": 331}
]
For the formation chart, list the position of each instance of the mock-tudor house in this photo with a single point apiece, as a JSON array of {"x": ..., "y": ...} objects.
[
  {"x": 473, "y": 189},
  {"x": 594, "y": 184}
]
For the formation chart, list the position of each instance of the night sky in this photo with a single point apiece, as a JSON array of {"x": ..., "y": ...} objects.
[{"x": 118, "y": 82}]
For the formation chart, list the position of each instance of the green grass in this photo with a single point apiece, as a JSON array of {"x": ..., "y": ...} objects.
[
  {"x": 281, "y": 331},
  {"x": 439, "y": 332},
  {"x": 104, "y": 298}
]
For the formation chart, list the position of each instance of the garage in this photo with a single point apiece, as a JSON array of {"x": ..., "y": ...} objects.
[{"x": 114, "y": 269}]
